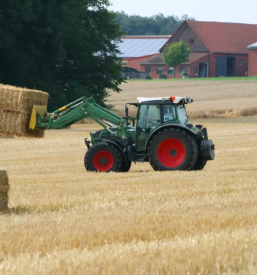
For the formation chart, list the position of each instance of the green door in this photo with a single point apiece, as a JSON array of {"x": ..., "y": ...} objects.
[{"x": 149, "y": 117}]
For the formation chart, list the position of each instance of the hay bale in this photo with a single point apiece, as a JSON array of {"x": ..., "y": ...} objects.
[
  {"x": 4, "y": 188},
  {"x": 19, "y": 99},
  {"x": 15, "y": 110},
  {"x": 14, "y": 123}
]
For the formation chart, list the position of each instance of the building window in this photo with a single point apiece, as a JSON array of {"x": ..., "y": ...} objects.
[
  {"x": 192, "y": 41},
  {"x": 159, "y": 70},
  {"x": 241, "y": 63},
  {"x": 148, "y": 70},
  {"x": 182, "y": 70},
  {"x": 171, "y": 71},
  {"x": 195, "y": 70}
]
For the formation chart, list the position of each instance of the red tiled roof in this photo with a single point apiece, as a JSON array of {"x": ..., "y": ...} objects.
[
  {"x": 225, "y": 37},
  {"x": 157, "y": 59},
  {"x": 195, "y": 56}
]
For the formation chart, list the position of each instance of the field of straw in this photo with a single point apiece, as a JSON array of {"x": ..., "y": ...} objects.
[
  {"x": 212, "y": 99},
  {"x": 64, "y": 220}
]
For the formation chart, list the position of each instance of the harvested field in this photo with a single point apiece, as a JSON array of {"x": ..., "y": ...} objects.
[
  {"x": 212, "y": 99},
  {"x": 64, "y": 220},
  {"x": 15, "y": 109}
]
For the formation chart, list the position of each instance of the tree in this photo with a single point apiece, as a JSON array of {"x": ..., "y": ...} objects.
[
  {"x": 175, "y": 54},
  {"x": 65, "y": 47},
  {"x": 154, "y": 25}
]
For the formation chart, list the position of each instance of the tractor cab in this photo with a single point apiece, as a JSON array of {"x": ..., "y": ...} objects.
[{"x": 155, "y": 113}]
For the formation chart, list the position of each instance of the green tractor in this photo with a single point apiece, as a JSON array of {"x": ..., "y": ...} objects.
[{"x": 160, "y": 134}]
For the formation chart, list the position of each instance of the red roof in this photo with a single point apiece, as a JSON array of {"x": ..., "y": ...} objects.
[
  {"x": 195, "y": 56},
  {"x": 225, "y": 37}
]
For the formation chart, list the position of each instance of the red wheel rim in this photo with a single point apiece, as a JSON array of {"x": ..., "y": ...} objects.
[
  {"x": 171, "y": 152},
  {"x": 103, "y": 161}
]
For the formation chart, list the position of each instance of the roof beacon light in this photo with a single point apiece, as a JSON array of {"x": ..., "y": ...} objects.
[{"x": 172, "y": 98}]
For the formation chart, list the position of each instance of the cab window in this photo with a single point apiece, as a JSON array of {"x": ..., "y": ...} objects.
[
  {"x": 169, "y": 113},
  {"x": 149, "y": 116}
]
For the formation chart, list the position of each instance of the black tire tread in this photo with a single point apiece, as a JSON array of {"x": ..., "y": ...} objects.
[{"x": 125, "y": 167}]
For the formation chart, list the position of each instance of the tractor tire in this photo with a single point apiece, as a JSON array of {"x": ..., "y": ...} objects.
[
  {"x": 125, "y": 167},
  {"x": 200, "y": 164},
  {"x": 103, "y": 157},
  {"x": 172, "y": 149}
]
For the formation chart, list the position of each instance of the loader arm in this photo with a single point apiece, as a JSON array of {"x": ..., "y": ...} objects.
[{"x": 75, "y": 112}]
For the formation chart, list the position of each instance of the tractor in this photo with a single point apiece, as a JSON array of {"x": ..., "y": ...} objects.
[{"x": 160, "y": 134}]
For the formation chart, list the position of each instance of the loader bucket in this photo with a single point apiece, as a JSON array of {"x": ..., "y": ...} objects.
[{"x": 36, "y": 111}]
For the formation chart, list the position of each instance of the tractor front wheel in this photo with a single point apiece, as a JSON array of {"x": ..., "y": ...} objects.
[
  {"x": 172, "y": 149},
  {"x": 103, "y": 157}
]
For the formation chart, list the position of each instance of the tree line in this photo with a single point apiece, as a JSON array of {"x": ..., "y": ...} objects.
[{"x": 154, "y": 25}]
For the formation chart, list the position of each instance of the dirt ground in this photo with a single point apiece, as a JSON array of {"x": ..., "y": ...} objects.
[
  {"x": 64, "y": 220},
  {"x": 207, "y": 95}
]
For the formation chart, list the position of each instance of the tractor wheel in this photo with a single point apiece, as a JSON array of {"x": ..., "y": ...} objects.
[
  {"x": 103, "y": 157},
  {"x": 172, "y": 149},
  {"x": 125, "y": 166},
  {"x": 200, "y": 163}
]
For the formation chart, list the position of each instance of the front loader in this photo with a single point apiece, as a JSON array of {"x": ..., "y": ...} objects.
[{"x": 160, "y": 134}]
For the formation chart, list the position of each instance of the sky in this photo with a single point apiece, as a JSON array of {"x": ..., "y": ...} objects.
[{"x": 236, "y": 11}]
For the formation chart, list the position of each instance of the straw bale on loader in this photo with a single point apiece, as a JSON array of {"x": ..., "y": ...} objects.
[
  {"x": 4, "y": 188},
  {"x": 15, "y": 108}
]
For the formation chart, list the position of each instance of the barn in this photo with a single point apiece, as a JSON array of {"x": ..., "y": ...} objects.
[
  {"x": 136, "y": 49},
  {"x": 253, "y": 59},
  {"x": 218, "y": 49}
]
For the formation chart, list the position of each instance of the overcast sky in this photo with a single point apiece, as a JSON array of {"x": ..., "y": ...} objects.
[{"x": 238, "y": 11}]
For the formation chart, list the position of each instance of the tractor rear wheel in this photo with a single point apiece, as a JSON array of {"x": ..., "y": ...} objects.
[
  {"x": 103, "y": 157},
  {"x": 125, "y": 166},
  {"x": 200, "y": 163},
  {"x": 172, "y": 149}
]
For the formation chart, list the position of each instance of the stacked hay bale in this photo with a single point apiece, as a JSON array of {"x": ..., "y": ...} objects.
[
  {"x": 4, "y": 188},
  {"x": 15, "y": 109}
]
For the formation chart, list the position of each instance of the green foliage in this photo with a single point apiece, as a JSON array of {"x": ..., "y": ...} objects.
[
  {"x": 153, "y": 25},
  {"x": 64, "y": 47},
  {"x": 176, "y": 53}
]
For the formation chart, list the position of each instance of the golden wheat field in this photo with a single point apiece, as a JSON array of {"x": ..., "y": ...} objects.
[{"x": 64, "y": 220}]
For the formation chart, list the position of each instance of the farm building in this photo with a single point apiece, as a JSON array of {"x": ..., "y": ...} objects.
[
  {"x": 135, "y": 49},
  {"x": 218, "y": 49},
  {"x": 253, "y": 59}
]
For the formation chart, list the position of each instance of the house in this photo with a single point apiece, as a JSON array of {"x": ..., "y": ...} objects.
[
  {"x": 136, "y": 49},
  {"x": 218, "y": 49},
  {"x": 252, "y": 59}
]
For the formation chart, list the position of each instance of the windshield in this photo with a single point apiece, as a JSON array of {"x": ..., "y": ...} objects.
[{"x": 182, "y": 113}]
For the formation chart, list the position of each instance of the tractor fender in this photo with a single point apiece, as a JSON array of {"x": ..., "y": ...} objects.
[
  {"x": 168, "y": 126},
  {"x": 117, "y": 146}
]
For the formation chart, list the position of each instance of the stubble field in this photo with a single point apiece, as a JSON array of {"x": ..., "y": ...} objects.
[{"x": 64, "y": 220}]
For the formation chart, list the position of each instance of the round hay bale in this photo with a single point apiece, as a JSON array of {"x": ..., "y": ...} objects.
[{"x": 4, "y": 188}]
